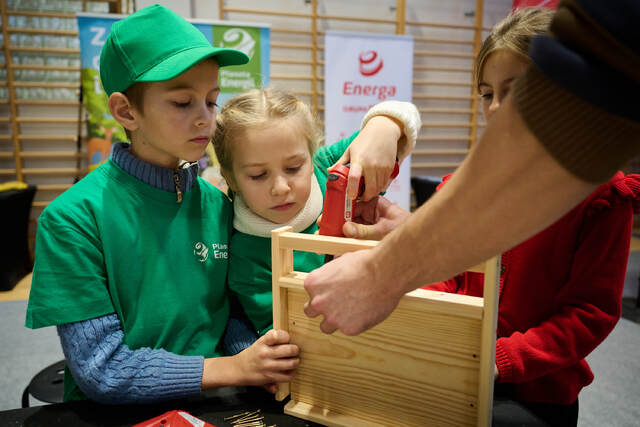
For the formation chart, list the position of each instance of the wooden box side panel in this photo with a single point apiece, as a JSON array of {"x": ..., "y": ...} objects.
[{"x": 418, "y": 367}]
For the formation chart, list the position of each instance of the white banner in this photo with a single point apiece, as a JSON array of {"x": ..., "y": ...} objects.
[{"x": 362, "y": 70}]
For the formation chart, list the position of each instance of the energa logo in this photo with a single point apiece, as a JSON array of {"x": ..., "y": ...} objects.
[{"x": 370, "y": 63}]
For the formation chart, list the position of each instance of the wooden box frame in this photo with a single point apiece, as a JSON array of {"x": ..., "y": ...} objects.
[{"x": 430, "y": 363}]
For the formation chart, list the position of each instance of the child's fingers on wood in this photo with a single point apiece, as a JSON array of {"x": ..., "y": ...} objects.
[
  {"x": 285, "y": 350},
  {"x": 276, "y": 336}
]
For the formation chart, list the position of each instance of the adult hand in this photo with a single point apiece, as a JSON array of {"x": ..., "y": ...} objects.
[
  {"x": 346, "y": 292},
  {"x": 372, "y": 154},
  {"x": 374, "y": 219}
]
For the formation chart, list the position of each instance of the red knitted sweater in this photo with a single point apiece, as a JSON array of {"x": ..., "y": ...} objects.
[{"x": 560, "y": 294}]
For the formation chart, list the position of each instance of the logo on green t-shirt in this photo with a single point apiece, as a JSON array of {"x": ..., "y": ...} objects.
[{"x": 219, "y": 251}]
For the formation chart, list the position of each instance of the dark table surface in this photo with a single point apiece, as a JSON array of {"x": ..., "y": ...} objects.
[{"x": 212, "y": 407}]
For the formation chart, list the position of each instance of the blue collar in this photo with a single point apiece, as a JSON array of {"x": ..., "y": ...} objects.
[{"x": 155, "y": 176}]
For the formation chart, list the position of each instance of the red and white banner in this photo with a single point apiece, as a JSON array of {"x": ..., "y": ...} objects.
[
  {"x": 362, "y": 70},
  {"x": 549, "y": 4}
]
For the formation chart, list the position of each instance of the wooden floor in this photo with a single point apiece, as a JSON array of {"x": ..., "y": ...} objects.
[{"x": 20, "y": 292}]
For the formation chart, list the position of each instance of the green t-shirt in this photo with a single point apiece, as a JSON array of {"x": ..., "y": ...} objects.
[
  {"x": 250, "y": 256},
  {"x": 112, "y": 243}
]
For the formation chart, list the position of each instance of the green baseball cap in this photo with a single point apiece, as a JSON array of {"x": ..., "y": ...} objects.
[{"x": 153, "y": 45}]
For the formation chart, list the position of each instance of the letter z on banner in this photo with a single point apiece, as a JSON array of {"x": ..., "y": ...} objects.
[{"x": 360, "y": 71}]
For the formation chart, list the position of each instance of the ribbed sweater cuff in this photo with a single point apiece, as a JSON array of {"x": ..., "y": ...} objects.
[
  {"x": 587, "y": 141},
  {"x": 183, "y": 377},
  {"x": 505, "y": 370}
]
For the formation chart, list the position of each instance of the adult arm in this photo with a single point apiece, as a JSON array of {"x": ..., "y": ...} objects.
[
  {"x": 508, "y": 188},
  {"x": 515, "y": 181}
]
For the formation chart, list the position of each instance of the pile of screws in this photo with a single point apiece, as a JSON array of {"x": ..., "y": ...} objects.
[{"x": 248, "y": 419}]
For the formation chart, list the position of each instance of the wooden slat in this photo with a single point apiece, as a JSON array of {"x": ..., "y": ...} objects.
[
  {"x": 447, "y": 69},
  {"x": 291, "y": 45},
  {"x": 44, "y": 67},
  {"x": 314, "y": 55},
  {"x": 357, "y": 19},
  {"x": 443, "y": 41},
  {"x": 62, "y": 50},
  {"x": 282, "y": 264},
  {"x": 438, "y": 302},
  {"x": 289, "y": 77},
  {"x": 288, "y": 31},
  {"x": 48, "y": 31},
  {"x": 41, "y": 14},
  {"x": 445, "y": 97},
  {"x": 477, "y": 41},
  {"x": 51, "y": 154},
  {"x": 52, "y": 171},
  {"x": 438, "y": 25},
  {"x": 48, "y": 120},
  {"x": 40, "y": 204},
  {"x": 323, "y": 244},
  {"x": 488, "y": 341},
  {"x": 46, "y": 102},
  {"x": 291, "y": 61},
  {"x": 51, "y": 85},
  {"x": 311, "y": 413},
  {"x": 401, "y": 16},
  {"x": 27, "y": 137},
  {"x": 436, "y": 83},
  {"x": 13, "y": 110},
  {"x": 267, "y": 12},
  {"x": 442, "y": 54}
]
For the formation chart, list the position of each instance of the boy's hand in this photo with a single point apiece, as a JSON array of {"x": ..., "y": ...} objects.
[
  {"x": 269, "y": 360},
  {"x": 372, "y": 154}
]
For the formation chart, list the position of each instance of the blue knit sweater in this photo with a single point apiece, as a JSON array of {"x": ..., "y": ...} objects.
[{"x": 107, "y": 370}]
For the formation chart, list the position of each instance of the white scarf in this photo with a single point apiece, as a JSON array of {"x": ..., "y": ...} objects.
[{"x": 247, "y": 221}]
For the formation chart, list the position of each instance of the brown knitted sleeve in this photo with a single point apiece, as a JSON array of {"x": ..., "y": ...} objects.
[{"x": 588, "y": 141}]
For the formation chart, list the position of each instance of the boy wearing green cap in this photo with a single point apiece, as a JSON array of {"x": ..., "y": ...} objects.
[{"x": 131, "y": 262}]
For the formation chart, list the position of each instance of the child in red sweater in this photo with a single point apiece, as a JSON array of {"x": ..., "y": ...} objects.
[{"x": 560, "y": 291}]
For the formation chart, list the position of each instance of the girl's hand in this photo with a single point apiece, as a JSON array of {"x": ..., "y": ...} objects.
[
  {"x": 269, "y": 360},
  {"x": 372, "y": 154}
]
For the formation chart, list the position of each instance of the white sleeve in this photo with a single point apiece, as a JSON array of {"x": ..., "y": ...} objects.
[{"x": 404, "y": 112}]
